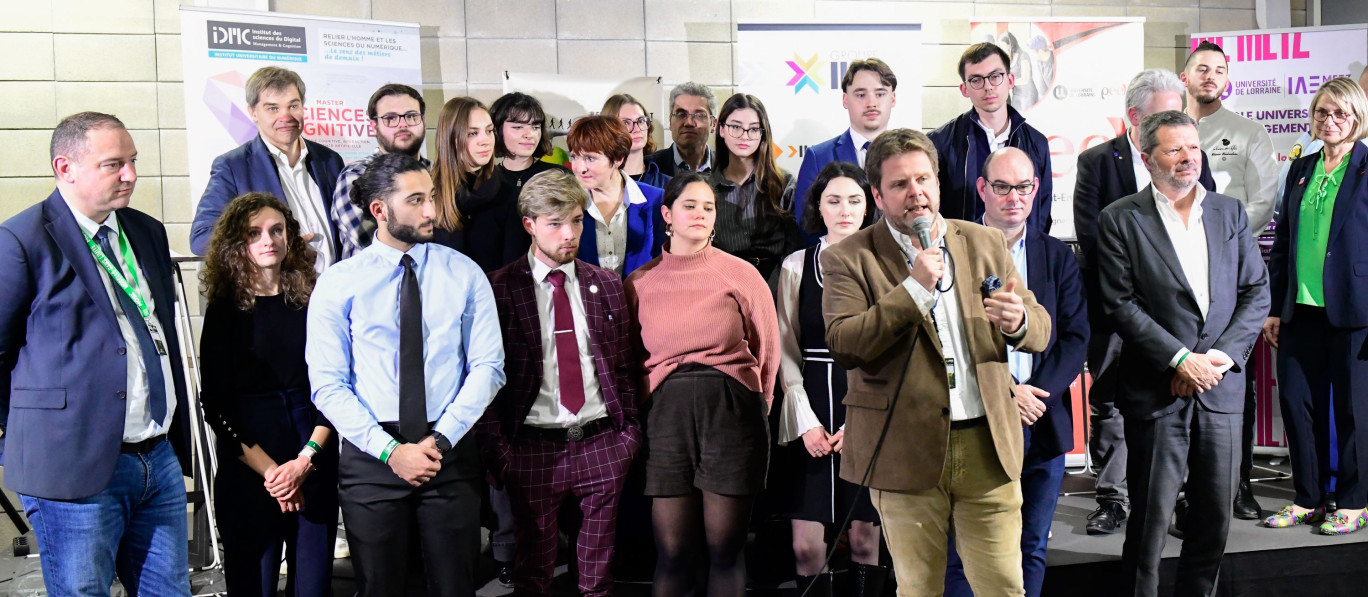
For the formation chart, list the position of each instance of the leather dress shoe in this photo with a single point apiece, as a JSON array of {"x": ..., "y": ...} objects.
[
  {"x": 1246, "y": 508},
  {"x": 505, "y": 574},
  {"x": 1108, "y": 517}
]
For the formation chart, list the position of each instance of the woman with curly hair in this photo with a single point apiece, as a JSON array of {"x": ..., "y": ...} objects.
[{"x": 277, "y": 477}]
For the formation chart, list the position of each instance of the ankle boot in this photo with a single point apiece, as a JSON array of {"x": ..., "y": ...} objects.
[
  {"x": 821, "y": 585},
  {"x": 867, "y": 580}
]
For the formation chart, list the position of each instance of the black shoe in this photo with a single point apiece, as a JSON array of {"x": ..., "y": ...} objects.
[
  {"x": 1330, "y": 504},
  {"x": 1108, "y": 517},
  {"x": 866, "y": 580},
  {"x": 505, "y": 574},
  {"x": 820, "y": 585},
  {"x": 1246, "y": 507},
  {"x": 1180, "y": 512}
]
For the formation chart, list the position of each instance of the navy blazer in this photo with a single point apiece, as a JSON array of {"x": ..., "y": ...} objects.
[
  {"x": 1346, "y": 252},
  {"x": 62, "y": 356},
  {"x": 1052, "y": 275},
  {"x": 645, "y": 230},
  {"x": 663, "y": 160},
  {"x": 957, "y": 147},
  {"x": 250, "y": 168},
  {"x": 835, "y": 149}
]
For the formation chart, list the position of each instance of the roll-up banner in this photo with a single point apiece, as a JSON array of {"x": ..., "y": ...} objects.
[
  {"x": 1071, "y": 76},
  {"x": 342, "y": 62},
  {"x": 795, "y": 68}
]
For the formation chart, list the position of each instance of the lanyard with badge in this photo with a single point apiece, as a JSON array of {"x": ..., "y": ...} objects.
[{"x": 128, "y": 284}]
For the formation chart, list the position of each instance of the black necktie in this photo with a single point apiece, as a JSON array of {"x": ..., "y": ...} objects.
[
  {"x": 156, "y": 380},
  {"x": 413, "y": 423}
]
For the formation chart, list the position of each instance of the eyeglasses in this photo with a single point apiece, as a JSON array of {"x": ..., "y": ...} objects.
[
  {"x": 682, "y": 116},
  {"x": 1001, "y": 188},
  {"x": 1338, "y": 116},
  {"x": 392, "y": 120},
  {"x": 642, "y": 123},
  {"x": 737, "y": 132},
  {"x": 994, "y": 79}
]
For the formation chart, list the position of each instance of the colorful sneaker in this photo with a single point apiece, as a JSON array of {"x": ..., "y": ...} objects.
[
  {"x": 1340, "y": 524},
  {"x": 1287, "y": 518}
]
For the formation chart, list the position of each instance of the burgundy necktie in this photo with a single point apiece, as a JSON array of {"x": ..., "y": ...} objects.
[{"x": 567, "y": 348}]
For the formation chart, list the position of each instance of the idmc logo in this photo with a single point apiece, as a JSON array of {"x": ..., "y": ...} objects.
[{"x": 224, "y": 35}]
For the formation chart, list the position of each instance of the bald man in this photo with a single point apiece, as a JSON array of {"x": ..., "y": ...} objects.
[{"x": 1008, "y": 190}]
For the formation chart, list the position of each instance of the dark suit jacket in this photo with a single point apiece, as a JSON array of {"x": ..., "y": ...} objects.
[
  {"x": 63, "y": 369},
  {"x": 1155, "y": 312},
  {"x": 1346, "y": 252},
  {"x": 871, "y": 323},
  {"x": 835, "y": 149},
  {"x": 645, "y": 231},
  {"x": 663, "y": 160},
  {"x": 609, "y": 321},
  {"x": 1052, "y": 275},
  {"x": 249, "y": 168}
]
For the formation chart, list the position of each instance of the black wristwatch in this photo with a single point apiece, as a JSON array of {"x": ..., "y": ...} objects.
[{"x": 443, "y": 444}]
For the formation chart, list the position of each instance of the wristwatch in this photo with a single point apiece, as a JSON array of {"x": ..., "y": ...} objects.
[{"x": 443, "y": 444}]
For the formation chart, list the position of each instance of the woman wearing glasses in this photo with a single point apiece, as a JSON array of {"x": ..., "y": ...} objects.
[
  {"x": 641, "y": 127},
  {"x": 623, "y": 229},
  {"x": 463, "y": 175},
  {"x": 1317, "y": 321},
  {"x": 753, "y": 194}
]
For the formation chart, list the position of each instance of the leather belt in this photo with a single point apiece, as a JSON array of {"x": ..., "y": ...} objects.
[
  {"x": 141, "y": 447},
  {"x": 968, "y": 423},
  {"x": 568, "y": 434}
]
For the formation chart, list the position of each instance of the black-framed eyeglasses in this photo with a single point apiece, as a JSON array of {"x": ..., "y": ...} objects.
[
  {"x": 392, "y": 120},
  {"x": 1001, "y": 188},
  {"x": 699, "y": 116},
  {"x": 1339, "y": 116},
  {"x": 737, "y": 132},
  {"x": 994, "y": 79},
  {"x": 643, "y": 123}
]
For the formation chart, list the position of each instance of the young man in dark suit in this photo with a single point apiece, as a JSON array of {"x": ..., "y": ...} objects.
[
  {"x": 278, "y": 161},
  {"x": 93, "y": 410},
  {"x": 565, "y": 427}
]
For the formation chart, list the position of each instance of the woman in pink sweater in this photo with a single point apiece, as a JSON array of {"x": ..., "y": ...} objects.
[{"x": 710, "y": 338}]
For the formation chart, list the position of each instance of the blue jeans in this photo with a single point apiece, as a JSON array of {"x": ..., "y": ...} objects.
[
  {"x": 136, "y": 527},
  {"x": 1040, "y": 481}
]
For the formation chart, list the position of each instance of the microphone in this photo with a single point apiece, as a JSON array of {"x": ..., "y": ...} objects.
[{"x": 922, "y": 226}]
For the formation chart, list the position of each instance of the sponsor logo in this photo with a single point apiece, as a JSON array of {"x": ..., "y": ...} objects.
[
  {"x": 805, "y": 74},
  {"x": 250, "y": 37}
]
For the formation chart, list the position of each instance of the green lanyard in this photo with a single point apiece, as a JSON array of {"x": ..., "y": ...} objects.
[{"x": 129, "y": 284}]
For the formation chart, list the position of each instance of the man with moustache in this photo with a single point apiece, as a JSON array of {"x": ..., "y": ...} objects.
[
  {"x": 1040, "y": 382},
  {"x": 931, "y": 424},
  {"x": 869, "y": 92},
  {"x": 965, "y": 142},
  {"x": 1245, "y": 167},
  {"x": 565, "y": 429},
  {"x": 405, "y": 394},
  {"x": 278, "y": 161},
  {"x": 1187, "y": 289},
  {"x": 693, "y": 113},
  {"x": 1108, "y": 172},
  {"x": 396, "y": 111}
]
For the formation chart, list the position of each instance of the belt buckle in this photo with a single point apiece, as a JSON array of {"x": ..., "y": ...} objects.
[{"x": 574, "y": 433}]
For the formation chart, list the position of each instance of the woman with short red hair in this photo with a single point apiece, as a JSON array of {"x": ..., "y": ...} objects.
[{"x": 624, "y": 229}]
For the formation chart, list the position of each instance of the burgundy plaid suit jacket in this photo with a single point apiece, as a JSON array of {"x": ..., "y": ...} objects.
[{"x": 609, "y": 323}]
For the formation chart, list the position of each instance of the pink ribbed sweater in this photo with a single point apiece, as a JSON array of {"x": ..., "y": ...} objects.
[{"x": 708, "y": 308}]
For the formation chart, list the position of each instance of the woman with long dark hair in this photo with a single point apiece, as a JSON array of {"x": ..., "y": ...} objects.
[
  {"x": 463, "y": 174},
  {"x": 710, "y": 342},
  {"x": 754, "y": 195},
  {"x": 277, "y": 477}
]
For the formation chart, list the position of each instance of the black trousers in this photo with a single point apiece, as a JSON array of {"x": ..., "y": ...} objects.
[
  {"x": 385, "y": 515},
  {"x": 1317, "y": 364}
]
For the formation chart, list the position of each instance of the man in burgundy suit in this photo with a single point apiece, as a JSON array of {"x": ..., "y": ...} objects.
[{"x": 565, "y": 427}]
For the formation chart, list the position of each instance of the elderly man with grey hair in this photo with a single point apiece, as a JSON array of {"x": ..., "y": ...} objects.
[
  {"x": 693, "y": 114},
  {"x": 1186, "y": 289},
  {"x": 1107, "y": 172}
]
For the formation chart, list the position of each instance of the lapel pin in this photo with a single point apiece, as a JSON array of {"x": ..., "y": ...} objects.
[
  {"x": 593, "y": 288},
  {"x": 1302, "y": 181}
]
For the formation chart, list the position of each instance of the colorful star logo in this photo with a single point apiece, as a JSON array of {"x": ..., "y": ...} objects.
[{"x": 804, "y": 74}]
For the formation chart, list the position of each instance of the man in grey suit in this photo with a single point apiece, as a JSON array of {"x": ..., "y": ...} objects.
[{"x": 1183, "y": 283}]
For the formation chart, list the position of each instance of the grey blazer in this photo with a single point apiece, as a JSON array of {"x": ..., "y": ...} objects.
[{"x": 1148, "y": 299}]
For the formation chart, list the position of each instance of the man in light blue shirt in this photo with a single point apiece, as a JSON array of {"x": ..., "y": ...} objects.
[{"x": 405, "y": 354}]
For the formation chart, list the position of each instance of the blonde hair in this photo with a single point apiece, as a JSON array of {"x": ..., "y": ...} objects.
[
  {"x": 1347, "y": 93},
  {"x": 552, "y": 193}
]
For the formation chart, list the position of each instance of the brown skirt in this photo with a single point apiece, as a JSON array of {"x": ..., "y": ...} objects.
[{"x": 705, "y": 431}]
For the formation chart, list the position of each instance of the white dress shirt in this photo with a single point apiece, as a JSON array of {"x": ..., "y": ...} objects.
[
  {"x": 1142, "y": 174},
  {"x": 995, "y": 141},
  {"x": 304, "y": 198},
  {"x": 859, "y": 141},
  {"x": 1190, "y": 243},
  {"x": 138, "y": 423},
  {"x": 547, "y": 410},
  {"x": 610, "y": 234}
]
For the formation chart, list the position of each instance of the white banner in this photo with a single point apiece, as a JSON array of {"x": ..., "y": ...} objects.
[
  {"x": 342, "y": 62},
  {"x": 566, "y": 97},
  {"x": 1274, "y": 73},
  {"x": 1071, "y": 77},
  {"x": 795, "y": 68}
]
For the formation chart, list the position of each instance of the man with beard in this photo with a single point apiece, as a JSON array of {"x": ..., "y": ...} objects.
[
  {"x": 396, "y": 111},
  {"x": 566, "y": 428},
  {"x": 693, "y": 112},
  {"x": 1187, "y": 290},
  {"x": 405, "y": 393},
  {"x": 278, "y": 161},
  {"x": 1245, "y": 167}
]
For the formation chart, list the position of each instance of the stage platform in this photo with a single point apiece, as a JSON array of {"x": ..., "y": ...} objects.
[{"x": 1258, "y": 561}]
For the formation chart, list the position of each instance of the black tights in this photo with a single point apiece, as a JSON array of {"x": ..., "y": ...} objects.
[{"x": 680, "y": 524}]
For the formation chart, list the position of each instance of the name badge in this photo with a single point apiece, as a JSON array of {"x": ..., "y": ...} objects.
[
  {"x": 950, "y": 371},
  {"x": 156, "y": 336}
]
